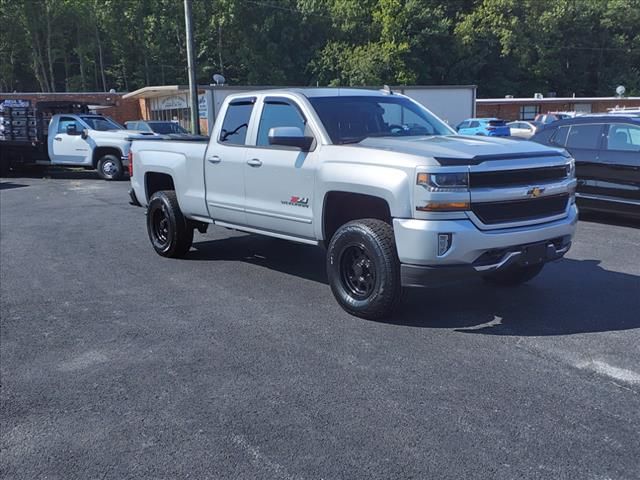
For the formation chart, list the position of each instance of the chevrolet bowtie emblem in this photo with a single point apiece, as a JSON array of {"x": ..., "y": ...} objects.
[{"x": 535, "y": 192}]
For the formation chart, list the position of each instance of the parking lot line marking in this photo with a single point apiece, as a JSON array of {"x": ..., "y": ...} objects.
[
  {"x": 603, "y": 368},
  {"x": 260, "y": 460}
]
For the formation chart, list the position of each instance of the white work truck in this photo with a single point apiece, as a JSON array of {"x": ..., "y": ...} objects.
[
  {"x": 70, "y": 139},
  {"x": 393, "y": 193}
]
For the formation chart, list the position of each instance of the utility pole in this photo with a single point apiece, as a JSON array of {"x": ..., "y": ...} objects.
[{"x": 193, "y": 86}]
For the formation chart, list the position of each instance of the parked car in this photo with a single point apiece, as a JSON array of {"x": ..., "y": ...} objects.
[
  {"x": 160, "y": 127},
  {"x": 606, "y": 149},
  {"x": 551, "y": 117},
  {"x": 398, "y": 199},
  {"x": 523, "y": 129},
  {"x": 491, "y": 127}
]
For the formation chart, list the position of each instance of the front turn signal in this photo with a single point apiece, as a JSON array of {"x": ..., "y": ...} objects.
[{"x": 444, "y": 207}]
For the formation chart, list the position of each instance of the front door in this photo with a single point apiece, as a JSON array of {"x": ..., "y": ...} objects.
[
  {"x": 583, "y": 141},
  {"x": 225, "y": 161},
  {"x": 620, "y": 159},
  {"x": 69, "y": 149},
  {"x": 279, "y": 180}
]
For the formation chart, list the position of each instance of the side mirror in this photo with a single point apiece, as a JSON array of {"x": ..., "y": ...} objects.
[
  {"x": 85, "y": 133},
  {"x": 290, "y": 137},
  {"x": 72, "y": 129}
]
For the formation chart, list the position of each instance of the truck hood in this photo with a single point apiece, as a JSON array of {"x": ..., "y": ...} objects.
[
  {"x": 461, "y": 150},
  {"x": 116, "y": 134}
]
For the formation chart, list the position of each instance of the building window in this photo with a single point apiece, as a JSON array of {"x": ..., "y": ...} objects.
[
  {"x": 582, "y": 107},
  {"x": 529, "y": 112}
]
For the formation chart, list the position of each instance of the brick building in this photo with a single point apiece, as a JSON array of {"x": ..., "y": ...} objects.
[
  {"x": 528, "y": 108},
  {"x": 109, "y": 104}
]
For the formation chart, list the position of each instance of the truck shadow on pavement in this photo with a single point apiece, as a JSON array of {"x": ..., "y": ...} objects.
[
  {"x": 568, "y": 297},
  {"x": 11, "y": 185},
  {"x": 60, "y": 173}
]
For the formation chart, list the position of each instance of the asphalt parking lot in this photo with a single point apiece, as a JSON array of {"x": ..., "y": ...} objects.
[{"x": 238, "y": 363}]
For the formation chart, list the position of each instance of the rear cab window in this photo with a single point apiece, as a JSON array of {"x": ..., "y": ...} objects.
[{"x": 236, "y": 122}]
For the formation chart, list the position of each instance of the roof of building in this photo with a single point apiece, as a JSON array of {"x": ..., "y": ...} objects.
[
  {"x": 557, "y": 100},
  {"x": 167, "y": 90}
]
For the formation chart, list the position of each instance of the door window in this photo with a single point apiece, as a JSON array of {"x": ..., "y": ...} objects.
[
  {"x": 65, "y": 122},
  {"x": 278, "y": 114},
  {"x": 463, "y": 125},
  {"x": 236, "y": 122},
  {"x": 474, "y": 124},
  {"x": 584, "y": 136},
  {"x": 560, "y": 137},
  {"x": 624, "y": 137}
]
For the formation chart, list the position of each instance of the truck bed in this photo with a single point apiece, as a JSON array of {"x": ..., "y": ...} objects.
[{"x": 172, "y": 137}]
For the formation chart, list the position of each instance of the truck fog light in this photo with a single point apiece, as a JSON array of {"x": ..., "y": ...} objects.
[{"x": 444, "y": 243}]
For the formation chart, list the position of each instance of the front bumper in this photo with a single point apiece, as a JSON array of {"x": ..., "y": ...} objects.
[{"x": 473, "y": 251}]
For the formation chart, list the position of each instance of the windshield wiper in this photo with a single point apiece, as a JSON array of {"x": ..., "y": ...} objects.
[{"x": 348, "y": 140}]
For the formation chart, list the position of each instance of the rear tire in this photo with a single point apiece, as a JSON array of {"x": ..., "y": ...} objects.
[
  {"x": 110, "y": 168},
  {"x": 363, "y": 268},
  {"x": 171, "y": 234},
  {"x": 514, "y": 275}
]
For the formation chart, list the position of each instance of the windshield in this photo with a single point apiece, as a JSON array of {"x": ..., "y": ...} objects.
[
  {"x": 352, "y": 119},
  {"x": 166, "y": 127},
  {"x": 101, "y": 123}
]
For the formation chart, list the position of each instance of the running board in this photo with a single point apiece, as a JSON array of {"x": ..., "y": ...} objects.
[{"x": 282, "y": 236}]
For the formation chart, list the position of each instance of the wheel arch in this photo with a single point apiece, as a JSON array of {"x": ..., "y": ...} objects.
[
  {"x": 340, "y": 207},
  {"x": 351, "y": 188},
  {"x": 100, "y": 152},
  {"x": 157, "y": 181}
]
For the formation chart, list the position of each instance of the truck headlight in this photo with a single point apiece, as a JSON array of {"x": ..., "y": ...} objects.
[
  {"x": 571, "y": 169},
  {"x": 444, "y": 182}
]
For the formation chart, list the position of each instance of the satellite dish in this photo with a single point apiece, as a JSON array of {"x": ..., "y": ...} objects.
[
  {"x": 620, "y": 90},
  {"x": 113, "y": 90},
  {"x": 218, "y": 79}
]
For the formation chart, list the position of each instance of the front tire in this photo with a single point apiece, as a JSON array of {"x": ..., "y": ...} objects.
[
  {"x": 170, "y": 232},
  {"x": 363, "y": 268},
  {"x": 110, "y": 168},
  {"x": 514, "y": 275}
]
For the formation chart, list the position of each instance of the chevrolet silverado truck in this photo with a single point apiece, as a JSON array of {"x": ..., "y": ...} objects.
[
  {"x": 396, "y": 197},
  {"x": 69, "y": 139}
]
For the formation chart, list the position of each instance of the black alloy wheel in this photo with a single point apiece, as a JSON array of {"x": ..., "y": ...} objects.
[{"x": 358, "y": 271}]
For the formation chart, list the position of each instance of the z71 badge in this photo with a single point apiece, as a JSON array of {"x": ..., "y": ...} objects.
[{"x": 297, "y": 202}]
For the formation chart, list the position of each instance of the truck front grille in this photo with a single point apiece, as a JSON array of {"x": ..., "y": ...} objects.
[
  {"x": 491, "y": 213},
  {"x": 512, "y": 178}
]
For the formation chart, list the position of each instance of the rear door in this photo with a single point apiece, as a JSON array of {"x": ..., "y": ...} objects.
[
  {"x": 620, "y": 159},
  {"x": 225, "y": 161},
  {"x": 279, "y": 180},
  {"x": 68, "y": 149}
]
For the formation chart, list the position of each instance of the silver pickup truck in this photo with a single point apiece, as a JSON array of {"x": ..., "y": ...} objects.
[{"x": 396, "y": 197}]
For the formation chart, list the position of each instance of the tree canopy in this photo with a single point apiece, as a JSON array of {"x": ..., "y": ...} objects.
[{"x": 515, "y": 47}]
